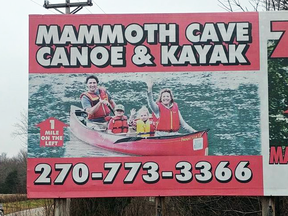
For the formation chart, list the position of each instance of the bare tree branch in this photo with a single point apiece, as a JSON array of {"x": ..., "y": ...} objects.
[
  {"x": 21, "y": 128},
  {"x": 226, "y": 7},
  {"x": 238, "y": 4},
  {"x": 253, "y": 5}
]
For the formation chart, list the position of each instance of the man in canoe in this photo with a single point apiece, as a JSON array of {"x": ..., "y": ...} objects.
[
  {"x": 97, "y": 102},
  {"x": 168, "y": 117}
]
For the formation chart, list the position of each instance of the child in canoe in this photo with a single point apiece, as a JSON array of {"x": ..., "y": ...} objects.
[
  {"x": 118, "y": 124},
  {"x": 142, "y": 124}
]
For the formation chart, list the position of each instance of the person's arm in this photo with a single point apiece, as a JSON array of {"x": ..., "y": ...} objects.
[
  {"x": 184, "y": 124},
  {"x": 132, "y": 118},
  {"x": 151, "y": 103},
  {"x": 85, "y": 102},
  {"x": 110, "y": 100},
  {"x": 93, "y": 109},
  {"x": 87, "y": 105}
]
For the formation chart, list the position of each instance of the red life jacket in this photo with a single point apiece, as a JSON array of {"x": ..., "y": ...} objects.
[
  {"x": 103, "y": 110},
  {"x": 119, "y": 124},
  {"x": 168, "y": 118}
]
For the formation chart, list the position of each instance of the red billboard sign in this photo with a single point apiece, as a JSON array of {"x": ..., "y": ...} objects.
[{"x": 153, "y": 105}]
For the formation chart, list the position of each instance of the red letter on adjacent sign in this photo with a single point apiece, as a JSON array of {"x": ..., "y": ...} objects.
[{"x": 281, "y": 49}]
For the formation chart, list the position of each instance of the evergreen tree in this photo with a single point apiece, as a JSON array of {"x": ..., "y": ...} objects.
[
  {"x": 10, "y": 185},
  {"x": 278, "y": 101}
]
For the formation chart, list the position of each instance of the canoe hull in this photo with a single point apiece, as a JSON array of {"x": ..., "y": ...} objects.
[{"x": 195, "y": 144}]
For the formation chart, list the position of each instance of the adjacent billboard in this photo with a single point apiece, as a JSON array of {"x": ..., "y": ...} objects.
[{"x": 152, "y": 105}]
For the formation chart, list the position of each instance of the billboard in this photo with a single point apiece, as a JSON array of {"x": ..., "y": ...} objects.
[{"x": 154, "y": 105}]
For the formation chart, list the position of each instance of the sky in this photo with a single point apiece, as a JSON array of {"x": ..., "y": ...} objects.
[{"x": 14, "y": 49}]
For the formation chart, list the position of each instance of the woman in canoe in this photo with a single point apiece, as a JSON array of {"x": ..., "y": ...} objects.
[{"x": 165, "y": 109}]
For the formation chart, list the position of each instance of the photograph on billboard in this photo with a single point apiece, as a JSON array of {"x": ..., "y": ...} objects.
[{"x": 223, "y": 106}]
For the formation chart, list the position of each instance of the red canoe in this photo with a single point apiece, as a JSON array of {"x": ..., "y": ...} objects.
[{"x": 193, "y": 144}]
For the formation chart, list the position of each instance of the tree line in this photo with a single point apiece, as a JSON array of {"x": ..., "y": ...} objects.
[{"x": 13, "y": 173}]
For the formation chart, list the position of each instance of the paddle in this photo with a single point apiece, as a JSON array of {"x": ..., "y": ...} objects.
[
  {"x": 110, "y": 107},
  {"x": 128, "y": 139},
  {"x": 146, "y": 133}
]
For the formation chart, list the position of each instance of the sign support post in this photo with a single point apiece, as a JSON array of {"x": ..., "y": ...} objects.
[
  {"x": 270, "y": 206},
  {"x": 62, "y": 207},
  {"x": 160, "y": 206}
]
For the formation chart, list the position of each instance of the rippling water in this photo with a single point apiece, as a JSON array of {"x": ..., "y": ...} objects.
[{"x": 225, "y": 102}]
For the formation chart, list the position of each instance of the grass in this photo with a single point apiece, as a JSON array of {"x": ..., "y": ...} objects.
[{"x": 14, "y": 203}]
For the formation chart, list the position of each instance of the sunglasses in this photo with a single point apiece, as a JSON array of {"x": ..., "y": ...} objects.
[{"x": 119, "y": 110}]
